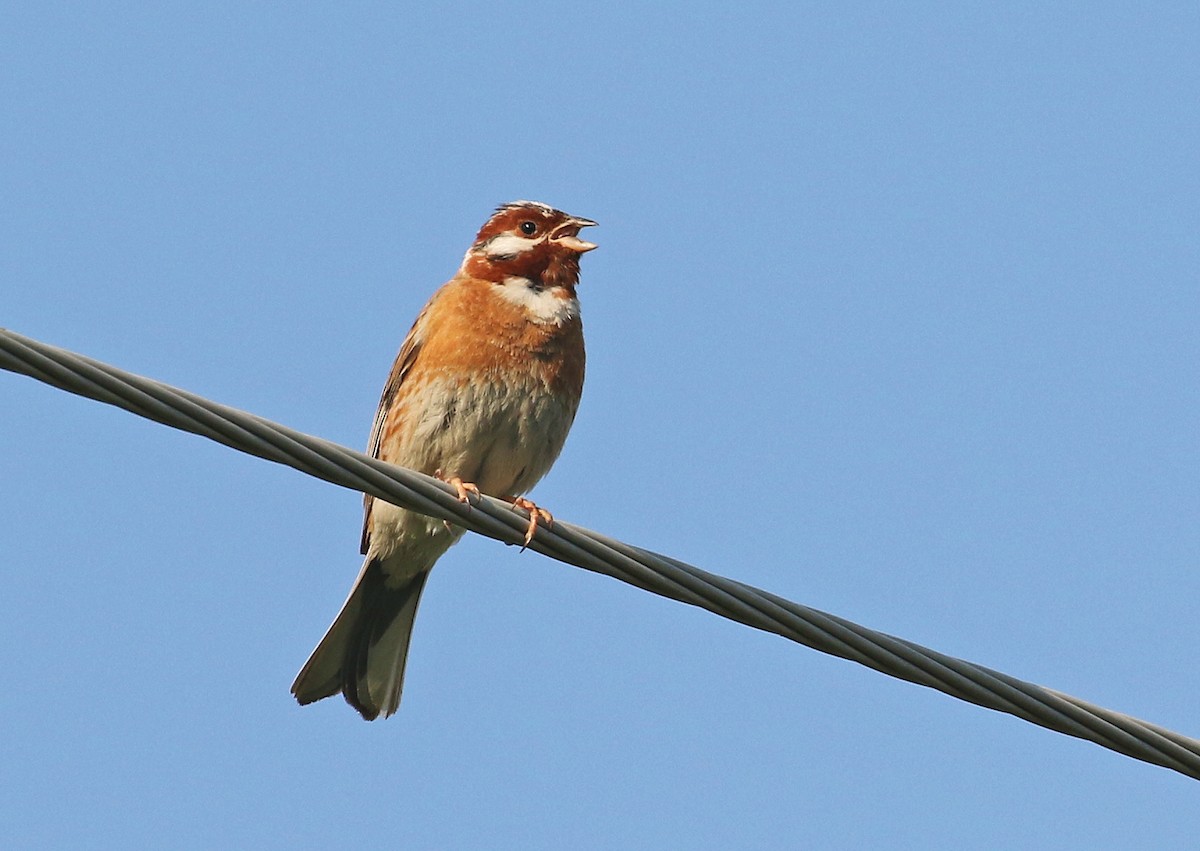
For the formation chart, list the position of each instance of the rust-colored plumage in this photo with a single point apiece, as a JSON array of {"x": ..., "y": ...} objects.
[{"x": 482, "y": 395}]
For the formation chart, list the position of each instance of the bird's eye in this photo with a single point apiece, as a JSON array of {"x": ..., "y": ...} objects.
[{"x": 528, "y": 228}]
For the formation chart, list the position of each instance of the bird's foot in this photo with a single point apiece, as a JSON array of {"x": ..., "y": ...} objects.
[
  {"x": 465, "y": 489},
  {"x": 536, "y": 515}
]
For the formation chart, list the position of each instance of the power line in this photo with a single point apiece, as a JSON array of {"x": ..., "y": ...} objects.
[{"x": 643, "y": 569}]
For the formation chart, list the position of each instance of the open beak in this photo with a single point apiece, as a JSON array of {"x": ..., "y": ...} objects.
[{"x": 567, "y": 235}]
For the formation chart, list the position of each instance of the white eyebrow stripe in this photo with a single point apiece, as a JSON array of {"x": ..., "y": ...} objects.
[
  {"x": 509, "y": 245},
  {"x": 546, "y": 208}
]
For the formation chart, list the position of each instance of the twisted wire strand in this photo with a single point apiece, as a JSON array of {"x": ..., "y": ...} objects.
[{"x": 659, "y": 574}]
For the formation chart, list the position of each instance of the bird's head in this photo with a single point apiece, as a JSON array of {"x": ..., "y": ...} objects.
[{"x": 526, "y": 239}]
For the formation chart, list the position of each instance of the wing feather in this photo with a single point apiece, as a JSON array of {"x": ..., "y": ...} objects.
[{"x": 407, "y": 356}]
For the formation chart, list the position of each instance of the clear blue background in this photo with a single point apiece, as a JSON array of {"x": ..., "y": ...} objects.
[{"x": 895, "y": 314}]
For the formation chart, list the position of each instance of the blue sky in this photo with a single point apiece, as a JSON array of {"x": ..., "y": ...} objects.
[{"x": 895, "y": 314}]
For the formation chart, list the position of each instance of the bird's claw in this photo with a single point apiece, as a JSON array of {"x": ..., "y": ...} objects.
[
  {"x": 535, "y": 515},
  {"x": 465, "y": 490}
]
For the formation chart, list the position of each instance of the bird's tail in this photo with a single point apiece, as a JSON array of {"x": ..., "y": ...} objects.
[{"x": 364, "y": 652}]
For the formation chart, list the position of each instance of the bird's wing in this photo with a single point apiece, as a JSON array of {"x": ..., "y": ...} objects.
[{"x": 400, "y": 369}]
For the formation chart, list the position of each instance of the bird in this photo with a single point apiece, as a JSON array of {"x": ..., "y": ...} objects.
[{"x": 481, "y": 395}]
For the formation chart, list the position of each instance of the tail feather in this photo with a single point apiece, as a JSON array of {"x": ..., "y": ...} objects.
[{"x": 365, "y": 650}]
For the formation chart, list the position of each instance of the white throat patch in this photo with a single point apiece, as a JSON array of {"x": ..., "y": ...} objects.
[{"x": 548, "y": 305}]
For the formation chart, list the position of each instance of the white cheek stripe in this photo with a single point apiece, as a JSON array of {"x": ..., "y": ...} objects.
[
  {"x": 509, "y": 244},
  {"x": 544, "y": 306}
]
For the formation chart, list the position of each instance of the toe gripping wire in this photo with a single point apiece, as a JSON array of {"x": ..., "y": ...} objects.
[{"x": 658, "y": 574}]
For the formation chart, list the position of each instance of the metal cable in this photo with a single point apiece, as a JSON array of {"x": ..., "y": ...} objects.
[{"x": 643, "y": 569}]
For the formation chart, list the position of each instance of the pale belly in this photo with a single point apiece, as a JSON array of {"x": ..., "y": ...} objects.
[{"x": 501, "y": 438}]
